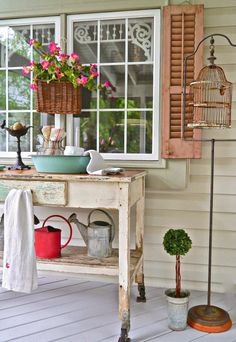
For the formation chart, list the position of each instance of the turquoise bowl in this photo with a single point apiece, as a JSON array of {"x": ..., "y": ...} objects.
[{"x": 60, "y": 164}]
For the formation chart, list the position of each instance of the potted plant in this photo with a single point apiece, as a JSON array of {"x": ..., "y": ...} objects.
[
  {"x": 177, "y": 242},
  {"x": 59, "y": 79}
]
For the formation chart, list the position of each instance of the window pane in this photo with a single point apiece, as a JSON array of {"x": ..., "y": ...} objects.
[
  {"x": 3, "y": 43},
  {"x": 140, "y": 86},
  {"x": 24, "y": 118},
  {"x": 140, "y": 40},
  {"x": 139, "y": 132},
  {"x": 2, "y": 90},
  {"x": 112, "y": 41},
  {"x": 45, "y": 34},
  {"x": 86, "y": 130},
  {"x": 19, "y": 90},
  {"x": 116, "y": 76},
  {"x": 2, "y": 134},
  {"x": 85, "y": 41},
  {"x": 111, "y": 132},
  {"x": 89, "y": 99},
  {"x": 18, "y": 47}
]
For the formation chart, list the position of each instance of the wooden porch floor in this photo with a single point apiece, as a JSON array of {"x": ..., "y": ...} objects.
[{"x": 72, "y": 310}]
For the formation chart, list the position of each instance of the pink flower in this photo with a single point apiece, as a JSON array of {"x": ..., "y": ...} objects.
[
  {"x": 94, "y": 74},
  {"x": 32, "y": 63},
  {"x": 102, "y": 142},
  {"x": 74, "y": 57},
  {"x": 107, "y": 84},
  {"x": 26, "y": 70},
  {"x": 82, "y": 81},
  {"x": 35, "y": 43},
  {"x": 53, "y": 48},
  {"x": 32, "y": 42},
  {"x": 45, "y": 64},
  {"x": 63, "y": 57},
  {"x": 34, "y": 86},
  {"x": 93, "y": 66},
  {"x": 58, "y": 72}
]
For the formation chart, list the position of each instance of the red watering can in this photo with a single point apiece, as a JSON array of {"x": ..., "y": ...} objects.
[{"x": 48, "y": 240}]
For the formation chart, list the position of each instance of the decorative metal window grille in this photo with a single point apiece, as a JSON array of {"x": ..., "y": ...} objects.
[{"x": 139, "y": 34}]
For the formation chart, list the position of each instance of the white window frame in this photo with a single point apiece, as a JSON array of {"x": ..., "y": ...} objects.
[
  {"x": 26, "y": 21},
  {"x": 155, "y": 155}
]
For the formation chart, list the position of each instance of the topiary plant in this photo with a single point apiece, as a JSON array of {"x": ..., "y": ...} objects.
[{"x": 177, "y": 242}]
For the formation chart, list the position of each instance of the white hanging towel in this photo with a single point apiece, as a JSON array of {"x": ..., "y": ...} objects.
[
  {"x": 96, "y": 165},
  {"x": 19, "y": 260}
]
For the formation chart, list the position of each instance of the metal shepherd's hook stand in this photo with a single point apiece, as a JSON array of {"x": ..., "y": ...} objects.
[{"x": 211, "y": 101}]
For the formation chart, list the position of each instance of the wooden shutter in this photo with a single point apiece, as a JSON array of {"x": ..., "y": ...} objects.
[{"x": 182, "y": 31}]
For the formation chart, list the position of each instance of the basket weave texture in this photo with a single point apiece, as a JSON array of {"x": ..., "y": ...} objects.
[{"x": 58, "y": 98}]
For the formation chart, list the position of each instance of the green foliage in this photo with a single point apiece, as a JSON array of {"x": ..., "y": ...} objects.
[
  {"x": 56, "y": 66},
  {"x": 177, "y": 242}
]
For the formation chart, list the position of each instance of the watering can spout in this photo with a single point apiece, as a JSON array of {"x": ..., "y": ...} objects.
[{"x": 81, "y": 227}]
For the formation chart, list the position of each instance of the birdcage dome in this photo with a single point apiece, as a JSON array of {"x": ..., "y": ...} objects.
[{"x": 211, "y": 97}]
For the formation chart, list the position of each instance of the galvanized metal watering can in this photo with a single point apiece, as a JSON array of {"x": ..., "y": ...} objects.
[
  {"x": 48, "y": 240},
  {"x": 97, "y": 235}
]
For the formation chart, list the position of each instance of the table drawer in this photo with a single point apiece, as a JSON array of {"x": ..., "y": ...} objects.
[{"x": 44, "y": 192}]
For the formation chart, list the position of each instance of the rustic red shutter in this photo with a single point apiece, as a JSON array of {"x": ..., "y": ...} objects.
[{"x": 182, "y": 31}]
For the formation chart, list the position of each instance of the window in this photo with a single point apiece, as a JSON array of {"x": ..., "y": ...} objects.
[
  {"x": 126, "y": 47},
  {"x": 17, "y": 101}
]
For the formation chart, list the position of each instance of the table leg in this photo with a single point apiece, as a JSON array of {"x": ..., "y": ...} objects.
[
  {"x": 139, "y": 278},
  {"x": 124, "y": 263}
]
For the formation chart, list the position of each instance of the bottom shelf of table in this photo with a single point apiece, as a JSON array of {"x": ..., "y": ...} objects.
[{"x": 74, "y": 259}]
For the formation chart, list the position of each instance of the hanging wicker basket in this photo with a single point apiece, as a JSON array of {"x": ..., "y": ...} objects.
[{"x": 58, "y": 98}]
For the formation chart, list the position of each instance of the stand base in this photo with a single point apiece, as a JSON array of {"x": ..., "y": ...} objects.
[
  {"x": 19, "y": 167},
  {"x": 209, "y": 318}
]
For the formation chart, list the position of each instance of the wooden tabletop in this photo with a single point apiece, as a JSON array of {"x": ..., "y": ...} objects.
[{"x": 126, "y": 177}]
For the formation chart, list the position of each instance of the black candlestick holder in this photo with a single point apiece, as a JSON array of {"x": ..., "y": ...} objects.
[{"x": 18, "y": 133}]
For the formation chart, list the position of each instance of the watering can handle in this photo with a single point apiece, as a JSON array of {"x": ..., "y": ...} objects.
[
  {"x": 111, "y": 219},
  {"x": 62, "y": 217}
]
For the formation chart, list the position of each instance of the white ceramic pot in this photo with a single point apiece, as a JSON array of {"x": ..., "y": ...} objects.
[{"x": 177, "y": 310}]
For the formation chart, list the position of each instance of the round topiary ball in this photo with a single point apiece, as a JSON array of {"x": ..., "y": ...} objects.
[{"x": 177, "y": 242}]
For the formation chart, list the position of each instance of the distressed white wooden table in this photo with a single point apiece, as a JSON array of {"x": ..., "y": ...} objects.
[{"x": 120, "y": 192}]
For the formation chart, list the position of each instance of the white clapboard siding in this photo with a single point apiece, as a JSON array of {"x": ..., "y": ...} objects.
[
  {"x": 224, "y": 149},
  {"x": 197, "y": 255},
  {"x": 200, "y": 236},
  {"x": 189, "y": 220},
  {"x": 223, "y": 55},
  {"x": 196, "y": 202},
  {"x": 223, "y": 17},
  {"x": 223, "y": 167},
  {"x": 226, "y": 30},
  {"x": 189, "y": 271},
  {"x": 215, "y": 3},
  {"x": 222, "y": 185}
]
